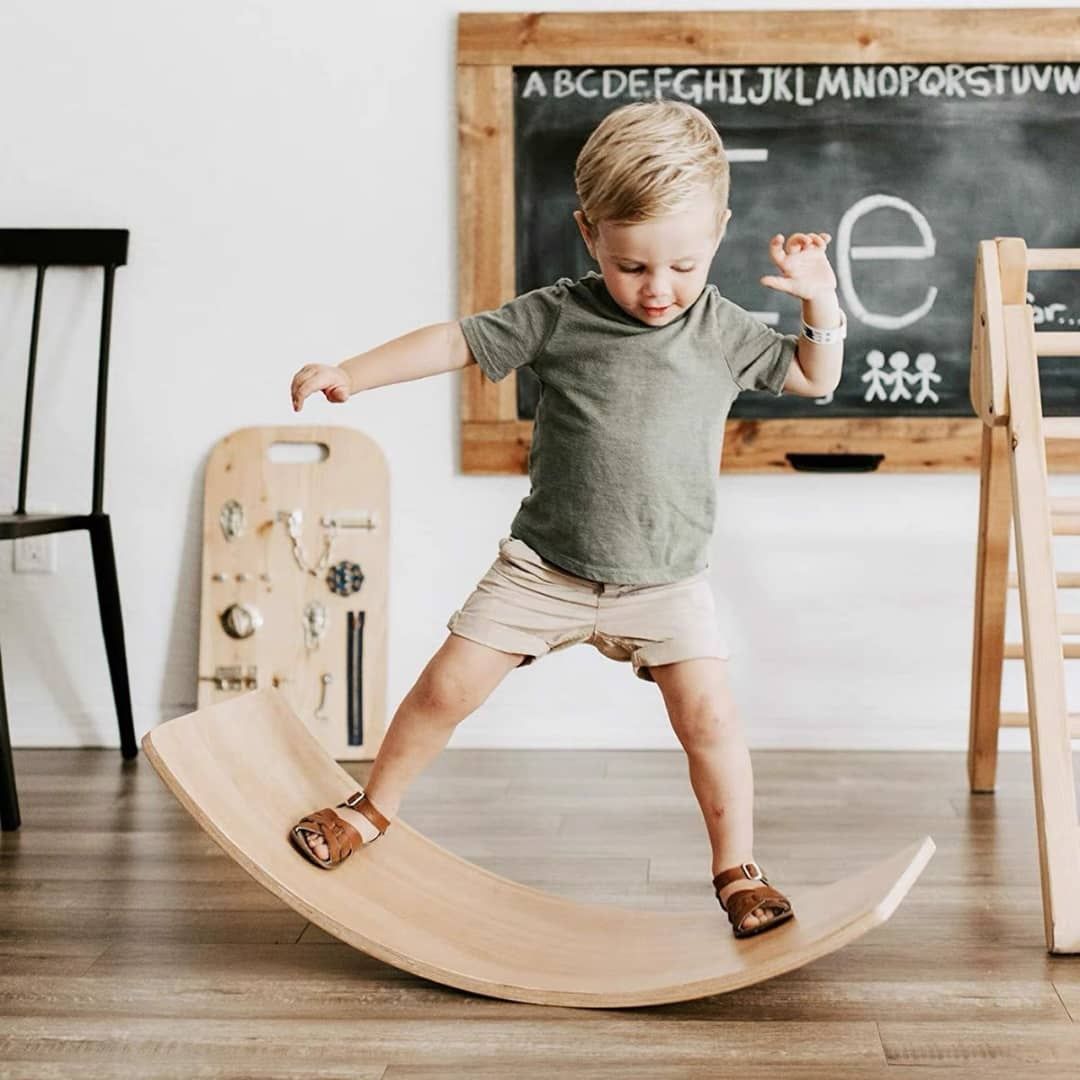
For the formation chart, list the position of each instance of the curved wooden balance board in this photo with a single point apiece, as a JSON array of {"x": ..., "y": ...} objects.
[{"x": 248, "y": 769}]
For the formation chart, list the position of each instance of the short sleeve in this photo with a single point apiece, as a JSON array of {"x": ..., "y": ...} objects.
[
  {"x": 757, "y": 356},
  {"x": 513, "y": 335}
]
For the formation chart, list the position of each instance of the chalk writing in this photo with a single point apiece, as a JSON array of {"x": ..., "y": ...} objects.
[
  {"x": 804, "y": 86},
  {"x": 1050, "y": 314}
]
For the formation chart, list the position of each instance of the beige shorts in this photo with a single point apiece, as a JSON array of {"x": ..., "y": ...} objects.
[{"x": 524, "y": 604}]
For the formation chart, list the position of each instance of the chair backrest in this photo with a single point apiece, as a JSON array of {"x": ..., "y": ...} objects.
[{"x": 42, "y": 248}]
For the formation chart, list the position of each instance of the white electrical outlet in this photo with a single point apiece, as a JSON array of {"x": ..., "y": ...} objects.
[{"x": 35, "y": 554}]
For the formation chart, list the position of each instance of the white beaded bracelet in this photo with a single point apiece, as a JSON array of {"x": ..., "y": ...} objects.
[{"x": 831, "y": 336}]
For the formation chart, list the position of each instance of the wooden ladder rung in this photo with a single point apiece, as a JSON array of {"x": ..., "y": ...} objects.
[
  {"x": 1061, "y": 427},
  {"x": 1065, "y": 580},
  {"x": 1065, "y": 516},
  {"x": 1014, "y": 650},
  {"x": 1053, "y": 258},
  {"x": 1065, "y": 524},
  {"x": 1057, "y": 343},
  {"x": 1020, "y": 719}
]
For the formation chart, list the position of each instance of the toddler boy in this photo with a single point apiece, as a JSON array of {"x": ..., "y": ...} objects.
[{"x": 638, "y": 365}]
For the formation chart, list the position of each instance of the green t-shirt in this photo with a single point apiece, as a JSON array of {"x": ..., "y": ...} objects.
[{"x": 629, "y": 424}]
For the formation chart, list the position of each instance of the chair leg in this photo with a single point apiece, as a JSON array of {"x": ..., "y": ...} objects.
[
  {"x": 112, "y": 627},
  {"x": 9, "y": 799}
]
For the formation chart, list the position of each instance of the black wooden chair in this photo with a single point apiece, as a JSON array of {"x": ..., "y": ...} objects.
[{"x": 42, "y": 248}]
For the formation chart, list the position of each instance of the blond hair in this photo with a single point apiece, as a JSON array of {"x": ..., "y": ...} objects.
[{"x": 647, "y": 160}]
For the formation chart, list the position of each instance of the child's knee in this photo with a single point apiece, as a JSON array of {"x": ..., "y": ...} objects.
[
  {"x": 706, "y": 725},
  {"x": 460, "y": 678},
  {"x": 445, "y": 690}
]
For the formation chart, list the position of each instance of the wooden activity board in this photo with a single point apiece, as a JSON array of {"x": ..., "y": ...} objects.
[{"x": 294, "y": 578}]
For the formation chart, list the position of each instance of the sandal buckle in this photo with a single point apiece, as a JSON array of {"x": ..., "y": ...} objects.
[
  {"x": 757, "y": 875},
  {"x": 353, "y": 799}
]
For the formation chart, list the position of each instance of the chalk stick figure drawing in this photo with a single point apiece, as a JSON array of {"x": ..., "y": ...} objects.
[
  {"x": 875, "y": 376},
  {"x": 925, "y": 364},
  {"x": 899, "y": 362}
]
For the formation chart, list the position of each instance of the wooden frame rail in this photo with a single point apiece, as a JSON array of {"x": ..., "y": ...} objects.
[{"x": 1014, "y": 491}]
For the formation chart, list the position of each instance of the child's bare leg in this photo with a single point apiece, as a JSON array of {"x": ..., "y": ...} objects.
[
  {"x": 456, "y": 680},
  {"x": 703, "y": 716}
]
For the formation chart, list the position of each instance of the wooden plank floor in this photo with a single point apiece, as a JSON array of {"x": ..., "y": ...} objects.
[{"x": 131, "y": 947}]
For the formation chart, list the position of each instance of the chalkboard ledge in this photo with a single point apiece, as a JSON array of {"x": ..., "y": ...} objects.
[{"x": 763, "y": 446}]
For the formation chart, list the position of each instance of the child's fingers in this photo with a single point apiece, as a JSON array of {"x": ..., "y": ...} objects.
[
  {"x": 319, "y": 377},
  {"x": 303, "y": 388},
  {"x": 776, "y": 250},
  {"x": 297, "y": 388},
  {"x": 294, "y": 392},
  {"x": 309, "y": 385},
  {"x": 780, "y": 284},
  {"x": 798, "y": 242}
]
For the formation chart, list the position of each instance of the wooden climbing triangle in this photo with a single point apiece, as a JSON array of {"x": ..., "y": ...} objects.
[{"x": 1017, "y": 444}]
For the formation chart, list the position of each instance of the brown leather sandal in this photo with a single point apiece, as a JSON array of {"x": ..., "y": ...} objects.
[
  {"x": 745, "y": 902},
  {"x": 341, "y": 838}
]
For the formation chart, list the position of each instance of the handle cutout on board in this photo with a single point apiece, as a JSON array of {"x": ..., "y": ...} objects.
[
  {"x": 297, "y": 452},
  {"x": 835, "y": 462}
]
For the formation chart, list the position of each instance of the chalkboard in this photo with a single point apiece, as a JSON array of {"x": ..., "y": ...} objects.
[{"x": 908, "y": 166}]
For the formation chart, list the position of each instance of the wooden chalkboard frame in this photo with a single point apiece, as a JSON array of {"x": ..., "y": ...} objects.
[{"x": 490, "y": 45}]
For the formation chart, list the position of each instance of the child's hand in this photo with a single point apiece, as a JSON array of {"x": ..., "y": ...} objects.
[
  {"x": 312, "y": 378},
  {"x": 803, "y": 263}
]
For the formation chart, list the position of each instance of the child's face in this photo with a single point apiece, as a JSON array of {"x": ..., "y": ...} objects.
[{"x": 654, "y": 270}]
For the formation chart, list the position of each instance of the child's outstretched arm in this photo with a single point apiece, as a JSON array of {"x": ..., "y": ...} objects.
[
  {"x": 430, "y": 350},
  {"x": 805, "y": 272}
]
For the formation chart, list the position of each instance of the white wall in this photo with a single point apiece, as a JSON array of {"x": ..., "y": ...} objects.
[{"x": 288, "y": 176}]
